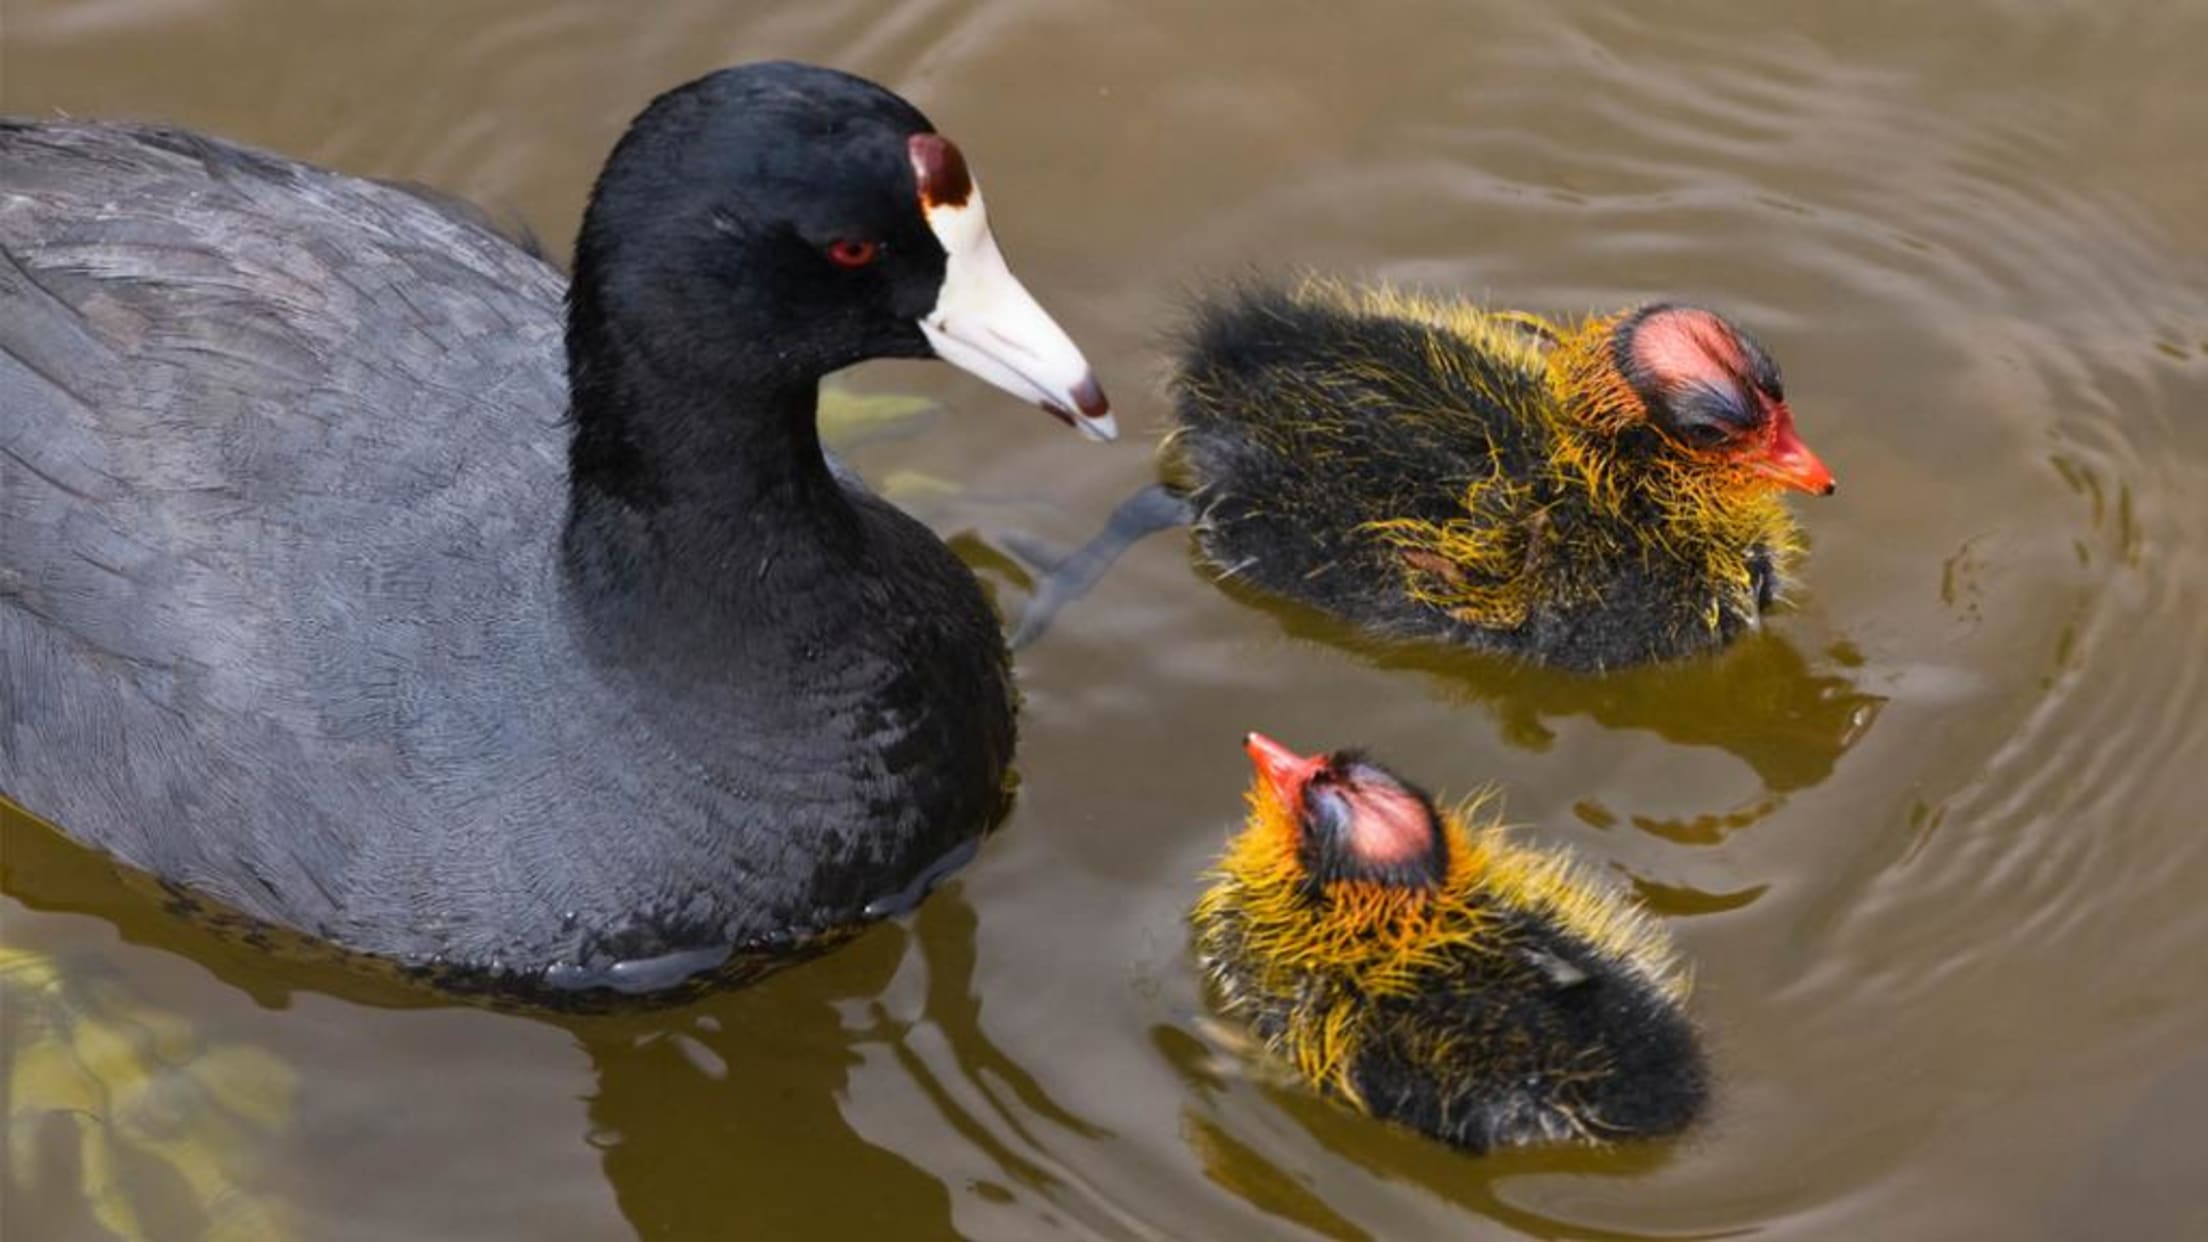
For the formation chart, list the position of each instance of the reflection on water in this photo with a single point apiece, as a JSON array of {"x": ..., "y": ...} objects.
[
  {"x": 1931, "y": 840},
  {"x": 1759, "y": 700},
  {"x": 116, "y": 1110},
  {"x": 791, "y": 1046},
  {"x": 721, "y": 1102},
  {"x": 704, "y": 1116},
  {"x": 1277, "y": 1178},
  {"x": 1241, "y": 1171}
]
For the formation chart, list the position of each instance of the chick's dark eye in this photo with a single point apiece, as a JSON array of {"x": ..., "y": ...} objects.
[
  {"x": 853, "y": 252},
  {"x": 1705, "y": 435},
  {"x": 1706, "y": 417},
  {"x": 1326, "y": 811}
]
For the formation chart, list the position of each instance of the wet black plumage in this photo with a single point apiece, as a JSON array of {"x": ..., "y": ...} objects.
[
  {"x": 1430, "y": 469},
  {"x": 1430, "y": 972},
  {"x": 1571, "y": 1050}
]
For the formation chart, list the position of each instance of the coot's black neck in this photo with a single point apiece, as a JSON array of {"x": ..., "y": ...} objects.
[
  {"x": 814, "y": 689},
  {"x": 695, "y": 473}
]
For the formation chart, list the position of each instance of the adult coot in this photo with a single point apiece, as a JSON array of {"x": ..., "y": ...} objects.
[{"x": 323, "y": 596}]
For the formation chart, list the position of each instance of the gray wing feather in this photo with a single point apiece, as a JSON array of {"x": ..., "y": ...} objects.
[{"x": 185, "y": 420}]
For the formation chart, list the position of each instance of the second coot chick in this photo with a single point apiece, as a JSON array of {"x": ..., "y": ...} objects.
[{"x": 1429, "y": 972}]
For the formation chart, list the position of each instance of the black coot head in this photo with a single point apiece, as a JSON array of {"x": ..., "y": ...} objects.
[{"x": 797, "y": 220}]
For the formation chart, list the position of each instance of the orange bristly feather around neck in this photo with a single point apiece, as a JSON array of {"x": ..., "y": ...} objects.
[{"x": 1384, "y": 932}]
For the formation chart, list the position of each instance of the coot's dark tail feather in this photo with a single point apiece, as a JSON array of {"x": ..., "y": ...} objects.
[{"x": 1148, "y": 511}]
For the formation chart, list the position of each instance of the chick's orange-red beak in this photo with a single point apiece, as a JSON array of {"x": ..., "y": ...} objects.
[
  {"x": 1285, "y": 771},
  {"x": 1789, "y": 462}
]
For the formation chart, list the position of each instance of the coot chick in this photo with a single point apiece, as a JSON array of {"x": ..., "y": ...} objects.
[
  {"x": 336, "y": 596},
  {"x": 1425, "y": 970},
  {"x": 1590, "y": 495}
]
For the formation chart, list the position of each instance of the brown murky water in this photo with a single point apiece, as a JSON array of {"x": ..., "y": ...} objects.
[{"x": 1934, "y": 843}]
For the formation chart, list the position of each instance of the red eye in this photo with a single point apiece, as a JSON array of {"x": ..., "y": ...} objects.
[{"x": 851, "y": 252}]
